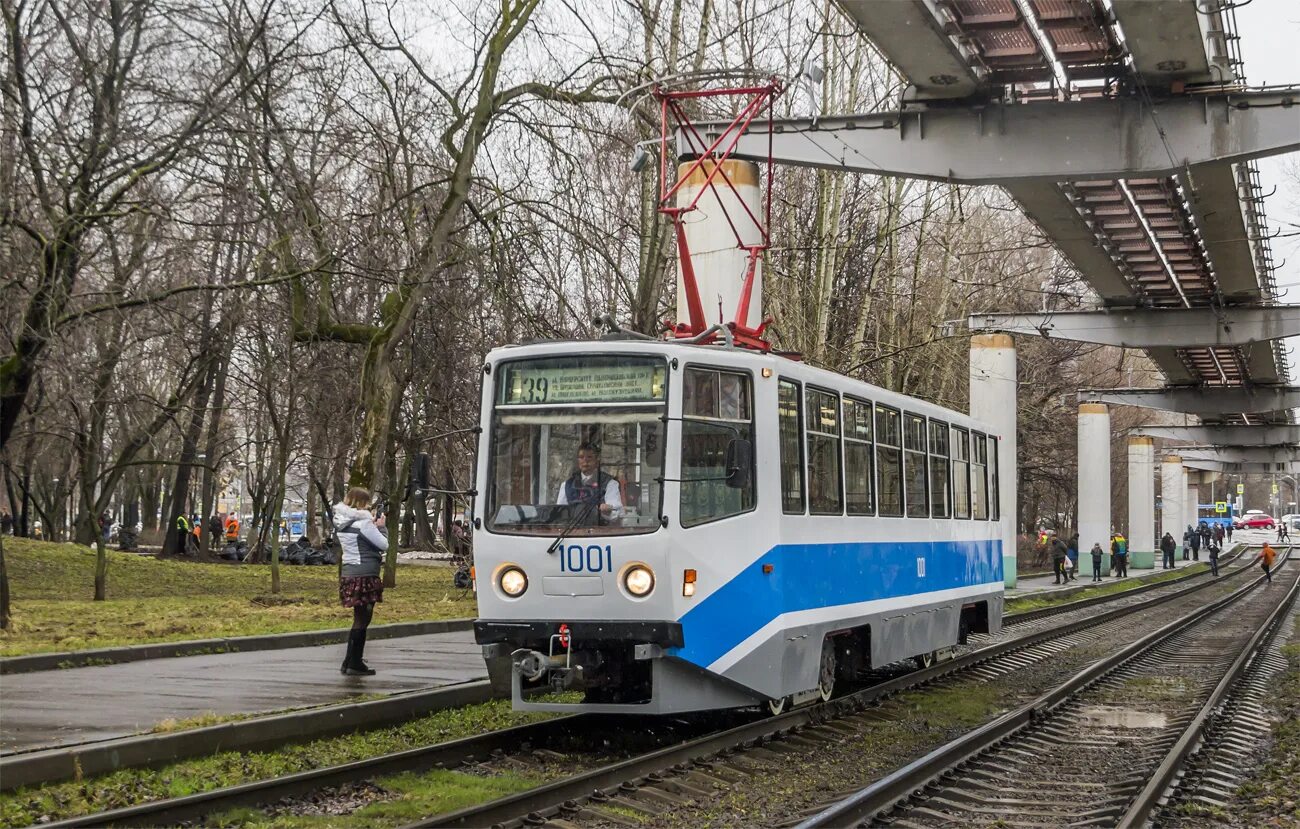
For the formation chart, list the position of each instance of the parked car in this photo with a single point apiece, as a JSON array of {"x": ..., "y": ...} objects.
[{"x": 1254, "y": 520}]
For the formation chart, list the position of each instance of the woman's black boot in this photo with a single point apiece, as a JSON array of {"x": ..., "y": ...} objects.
[
  {"x": 356, "y": 648},
  {"x": 347, "y": 659}
]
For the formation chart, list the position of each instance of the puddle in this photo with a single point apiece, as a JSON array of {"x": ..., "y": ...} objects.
[{"x": 1123, "y": 717}]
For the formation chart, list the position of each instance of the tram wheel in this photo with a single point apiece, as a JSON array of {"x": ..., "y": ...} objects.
[
  {"x": 927, "y": 660},
  {"x": 826, "y": 677},
  {"x": 776, "y": 706}
]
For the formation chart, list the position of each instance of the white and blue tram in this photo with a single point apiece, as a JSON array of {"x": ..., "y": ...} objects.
[{"x": 750, "y": 530}]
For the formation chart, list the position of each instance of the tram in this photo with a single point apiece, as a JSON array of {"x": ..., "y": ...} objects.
[
  {"x": 753, "y": 529},
  {"x": 697, "y": 523}
]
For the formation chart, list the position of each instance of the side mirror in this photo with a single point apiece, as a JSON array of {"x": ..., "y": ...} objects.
[{"x": 740, "y": 463}]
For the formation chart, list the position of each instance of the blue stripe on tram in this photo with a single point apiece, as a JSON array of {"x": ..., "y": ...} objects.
[{"x": 807, "y": 576}]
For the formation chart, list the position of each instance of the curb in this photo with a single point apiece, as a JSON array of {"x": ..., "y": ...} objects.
[
  {"x": 38, "y": 767},
  {"x": 234, "y": 644}
]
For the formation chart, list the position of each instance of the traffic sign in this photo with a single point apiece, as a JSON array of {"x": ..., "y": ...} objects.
[
  {"x": 1241, "y": 489},
  {"x": 1220, "y": 507},
  {"x": 1274, "y": 489}
]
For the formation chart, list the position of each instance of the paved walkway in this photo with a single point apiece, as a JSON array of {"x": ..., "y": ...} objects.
[
  {"x": 1047, "y": 584},
  {"x": 49, "y": 708}
]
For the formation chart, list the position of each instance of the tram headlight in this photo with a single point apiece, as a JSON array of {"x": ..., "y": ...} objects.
[
  {"x": 639, "y": 580},
  {"x": 512, "y": 582}
]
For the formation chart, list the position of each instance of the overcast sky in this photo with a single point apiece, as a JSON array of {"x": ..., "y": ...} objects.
[{"x": 1270, "y": 38}]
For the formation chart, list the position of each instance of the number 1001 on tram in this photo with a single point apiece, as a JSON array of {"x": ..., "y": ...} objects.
[{"x": 668, "y": 527}]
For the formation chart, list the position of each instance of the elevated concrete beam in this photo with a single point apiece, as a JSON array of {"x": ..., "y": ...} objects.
[
  {"x": 1204, "y": 401},
  {"x": 998, "y": 143},
  {"x": 1242, "y": 468},
  {"x": 1151, "y": 327},
  {"x": 1166, "y": 41},
  {"x": 1270, "y": 435},
  {"x": 1241, "y": 454}
]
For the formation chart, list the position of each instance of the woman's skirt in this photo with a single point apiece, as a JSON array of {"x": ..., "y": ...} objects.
[{"x": 355, "y": 591}]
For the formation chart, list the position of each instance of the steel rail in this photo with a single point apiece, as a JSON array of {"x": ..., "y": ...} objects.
[
  {"x": 545, "y": 800},
  {"x": 902, "y": 783},
  {"x": 175, "y": 810},
  {"x": 1148, "y": 800}
]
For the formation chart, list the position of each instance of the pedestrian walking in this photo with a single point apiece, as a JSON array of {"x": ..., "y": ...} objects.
[
  {"x": 1167, "y": 549},
  {"x": 363, "y": 541},
  {"x": 1214, "y": 557},
  {"x": 1059, "y": 557},
  {"x": 1228, "y": 529},
  {"x": 1097, "y": 554},
  {"x": 1266, "y": 559},
  {"x": 1196, "y": 545},
  {"x": 1072, "y": 556},
  {"x": 1218, "y": 534},
  {"x": 1205, "y": 535}
]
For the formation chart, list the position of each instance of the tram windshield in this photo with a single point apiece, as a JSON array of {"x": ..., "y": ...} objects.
[{"x": 577, "y": 445}]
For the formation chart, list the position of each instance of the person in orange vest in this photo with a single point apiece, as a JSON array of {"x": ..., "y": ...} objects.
[
  {"x": 232, "y": 529},
  {"x": 1266, "y": 559}
]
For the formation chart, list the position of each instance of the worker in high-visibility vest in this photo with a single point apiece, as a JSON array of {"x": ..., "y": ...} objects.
[{"x": 232, "y": 529}]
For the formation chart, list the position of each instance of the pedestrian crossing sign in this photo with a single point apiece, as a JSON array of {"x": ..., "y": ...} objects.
[
  {"x": 1220, "y": 507},
  {"x": 1241, "y": 489}
]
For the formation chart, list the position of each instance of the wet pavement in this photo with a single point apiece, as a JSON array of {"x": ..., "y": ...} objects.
[{"x": 75, "y": 705}]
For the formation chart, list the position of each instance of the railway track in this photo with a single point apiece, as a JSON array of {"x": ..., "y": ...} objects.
[
  {"x": 1108, "y": 758},
  {"x": 685, "y": 741}
]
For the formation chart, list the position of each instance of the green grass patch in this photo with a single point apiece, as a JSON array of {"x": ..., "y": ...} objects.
[
  {"x": 57, "y": 801},
  {"x": 1270, "y": 797},
  {"x": 1034, "y": 602},
  {"x": 409, "y": 797},
  {"x": 151, "y": 600}
]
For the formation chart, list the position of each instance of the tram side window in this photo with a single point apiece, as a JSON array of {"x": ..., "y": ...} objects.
[
  {"x": 859, "y": 461},
  {"x": 939, "y": 491},
  {"x": 960, "y": 473},
  {"x": 717, "y": 408},
  {"x": 824, "y": 453},
  {"x": 889, "y": 460},
  {"x": 914, "y": 464},
  {"x": 979, "y": 483},
  {"x": 790, "y": 429},
  {"x": 995, "y": 503}
]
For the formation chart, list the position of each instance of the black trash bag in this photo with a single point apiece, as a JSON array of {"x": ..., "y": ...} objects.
[{"x": 126, "y": 540}]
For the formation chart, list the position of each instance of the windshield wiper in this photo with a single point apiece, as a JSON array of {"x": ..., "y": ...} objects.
[{"x": 564, "y": 533}]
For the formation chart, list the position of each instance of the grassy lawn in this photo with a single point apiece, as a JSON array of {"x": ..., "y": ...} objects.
[
  {"x": 52, "y": 586},
  {"x": 1105, "y": 589},
  {"x": 412, "y": 796}
]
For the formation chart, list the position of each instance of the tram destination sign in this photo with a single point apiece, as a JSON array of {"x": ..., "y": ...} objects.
[{"x": 559, "y": 385}]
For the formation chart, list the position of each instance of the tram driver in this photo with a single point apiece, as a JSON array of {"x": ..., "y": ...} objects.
[{"x": 592, "y": 485}]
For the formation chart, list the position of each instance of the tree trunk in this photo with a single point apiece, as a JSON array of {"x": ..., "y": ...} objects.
[
  {"x": 189, "y": 449},
  {"x": 208, "y": 488}
]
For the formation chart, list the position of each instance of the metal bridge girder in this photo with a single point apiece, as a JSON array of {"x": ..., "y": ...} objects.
[
  {"x": 1241, "y": 468},
  {"x": 1152, "y": 327},
  {"x": 1203, "y": 401},
  {"x": 1264, "y": 435},
  {"x": 1241, "y": 454},
  {"x": 993, "y": 143}
]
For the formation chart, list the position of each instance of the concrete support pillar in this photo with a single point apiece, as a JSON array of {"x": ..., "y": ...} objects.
[
  {"x": 1190, "y": 493},
  {"x": 1141, "y": 502},
  {"x": 1094, "y": 476},
  {"x": 1172, "y": 493},
  {"x": 993, "y": 401}
]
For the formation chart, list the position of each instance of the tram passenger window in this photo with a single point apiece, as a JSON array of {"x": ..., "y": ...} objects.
[
  {"x": 716, "y": 409},
  {"x": 960, "y": 473},
  {"x": 939, "y": 499},
  {"x": 979, "y": 483},
  {"x": 995, "y": 505},
  {"x": 889, "y": 460},
  {"x": 914, "y": 464},
  {"x": 859, "y": 462},
  {"x": 824, "y": 453},
  {"x": 790, "y": 428}
]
